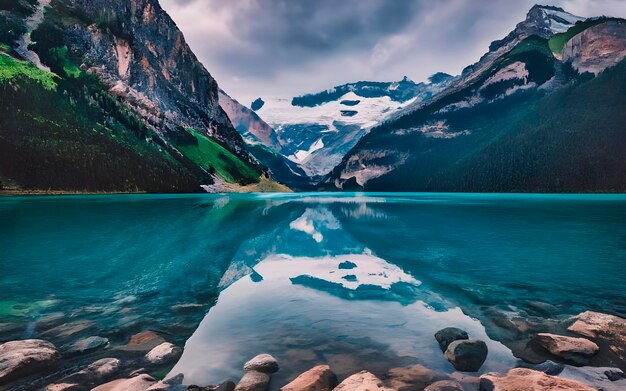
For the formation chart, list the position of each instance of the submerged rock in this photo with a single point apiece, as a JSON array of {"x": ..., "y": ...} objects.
[
  {"x": 572, "y": 349},
  {"x": 362, "y": 381},
  {"x": 163, "y": 353},
  {"x": 467, "y": 355},
  {"x": 519, "y": 379},
  {"x": 262, "y": 363},
  {"x": 319, "y": 378},
  {"x": 86, "y": 345},
  {"x": 137, "y": 383},
  {"x": 67, "y": 330},
  {"x": 414, "y": 377},
  {"x": 143, "y": 342},
  {"x": 448, "y": 335},
  {"x": 27, "y": 357}
]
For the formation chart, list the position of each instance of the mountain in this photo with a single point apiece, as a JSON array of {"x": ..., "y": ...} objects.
[
  {"x": 252, "y": 128},
  {"x": 316, "y": 130},
  {"x": 107, "y": 96},
  {"x": 263, "y": 143},
  {"x": 542, "y": 111}
]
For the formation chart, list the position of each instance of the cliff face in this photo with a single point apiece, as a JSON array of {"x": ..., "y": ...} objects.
[
  {"x": 136, "y": 49},
  {"x": 248, "y": 123},
  {"x": 597, "y": 48}
]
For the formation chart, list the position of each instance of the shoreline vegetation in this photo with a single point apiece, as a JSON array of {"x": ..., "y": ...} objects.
[{"x": 585, "y": 352}]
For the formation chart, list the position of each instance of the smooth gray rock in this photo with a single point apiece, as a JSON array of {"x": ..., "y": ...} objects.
[
  {"x": 163, "y": 353},
  {"x": 262, "y": 363},
  {"x": 27, "y": 357},
  {"x": 467, "y": 355},
  {"x": 448, "y": 335},
  {"x": 253, "y": 381}
]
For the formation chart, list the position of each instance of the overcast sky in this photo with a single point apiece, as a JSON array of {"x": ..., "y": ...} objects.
[{"x": 257, "y": 48}]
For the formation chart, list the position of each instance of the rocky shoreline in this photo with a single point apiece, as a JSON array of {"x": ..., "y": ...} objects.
[{"x": 565, "y": 361}]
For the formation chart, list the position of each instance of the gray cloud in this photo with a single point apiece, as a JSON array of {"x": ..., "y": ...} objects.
[{"x": 289, "y": 47}]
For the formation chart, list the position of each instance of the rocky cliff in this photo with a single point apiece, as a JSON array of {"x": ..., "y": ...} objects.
[
  {"x": 139, "y": 53},
  {"x": 113, "y": 66}
]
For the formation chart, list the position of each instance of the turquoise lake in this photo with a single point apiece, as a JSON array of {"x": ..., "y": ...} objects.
[{"x": 358, "y": 281}]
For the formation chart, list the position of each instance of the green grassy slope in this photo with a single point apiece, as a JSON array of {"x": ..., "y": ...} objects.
[
  {"x": 66, "y": 133},
  {"x": 216, "y": 159}
]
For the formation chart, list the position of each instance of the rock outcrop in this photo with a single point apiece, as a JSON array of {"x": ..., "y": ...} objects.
[{"x": 597, "y": 47}]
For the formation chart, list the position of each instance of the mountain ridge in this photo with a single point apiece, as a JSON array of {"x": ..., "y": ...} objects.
[{"x": 519, "y": 70}]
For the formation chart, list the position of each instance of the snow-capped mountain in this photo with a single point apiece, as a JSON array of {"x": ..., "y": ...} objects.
[
  {"x": 540, "y": 111},
  {"x": 316, "y": 130}
]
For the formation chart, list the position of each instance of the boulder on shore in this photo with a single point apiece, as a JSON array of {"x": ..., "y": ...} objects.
[
  {"x": 467, "y": 355},
  {"x": 257, "y": 373},
  {"x": 319, "y": 378},
  {"x": 527, "y": 379},
  {"x": 572, "y": 349},
  {"x": 26, "y": 357},
  {"x": 163, "y": 353},
  {"x": 362, "y": 381},
  {"x": 414, "y": 377},
  {"x": 448, "y": 335},
  {"x": 608, "y": 329},
  {"x": 254, "y": 381}
]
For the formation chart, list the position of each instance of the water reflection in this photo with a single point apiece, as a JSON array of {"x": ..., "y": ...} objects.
[{"x": 308, "y": 292}]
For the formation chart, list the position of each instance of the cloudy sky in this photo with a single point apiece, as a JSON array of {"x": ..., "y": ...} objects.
[{"x": 257, "y": 48}]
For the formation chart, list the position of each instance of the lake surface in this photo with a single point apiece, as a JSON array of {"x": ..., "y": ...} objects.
[{"x": 358, "y": 281}]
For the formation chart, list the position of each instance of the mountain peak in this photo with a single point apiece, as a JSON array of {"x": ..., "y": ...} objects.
[
  {"x": 546, "y": 7},
  {"x": 543, "y": 21}
]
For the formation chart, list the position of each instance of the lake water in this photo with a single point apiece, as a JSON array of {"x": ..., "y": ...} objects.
[{"x": 358, "y": 281}]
